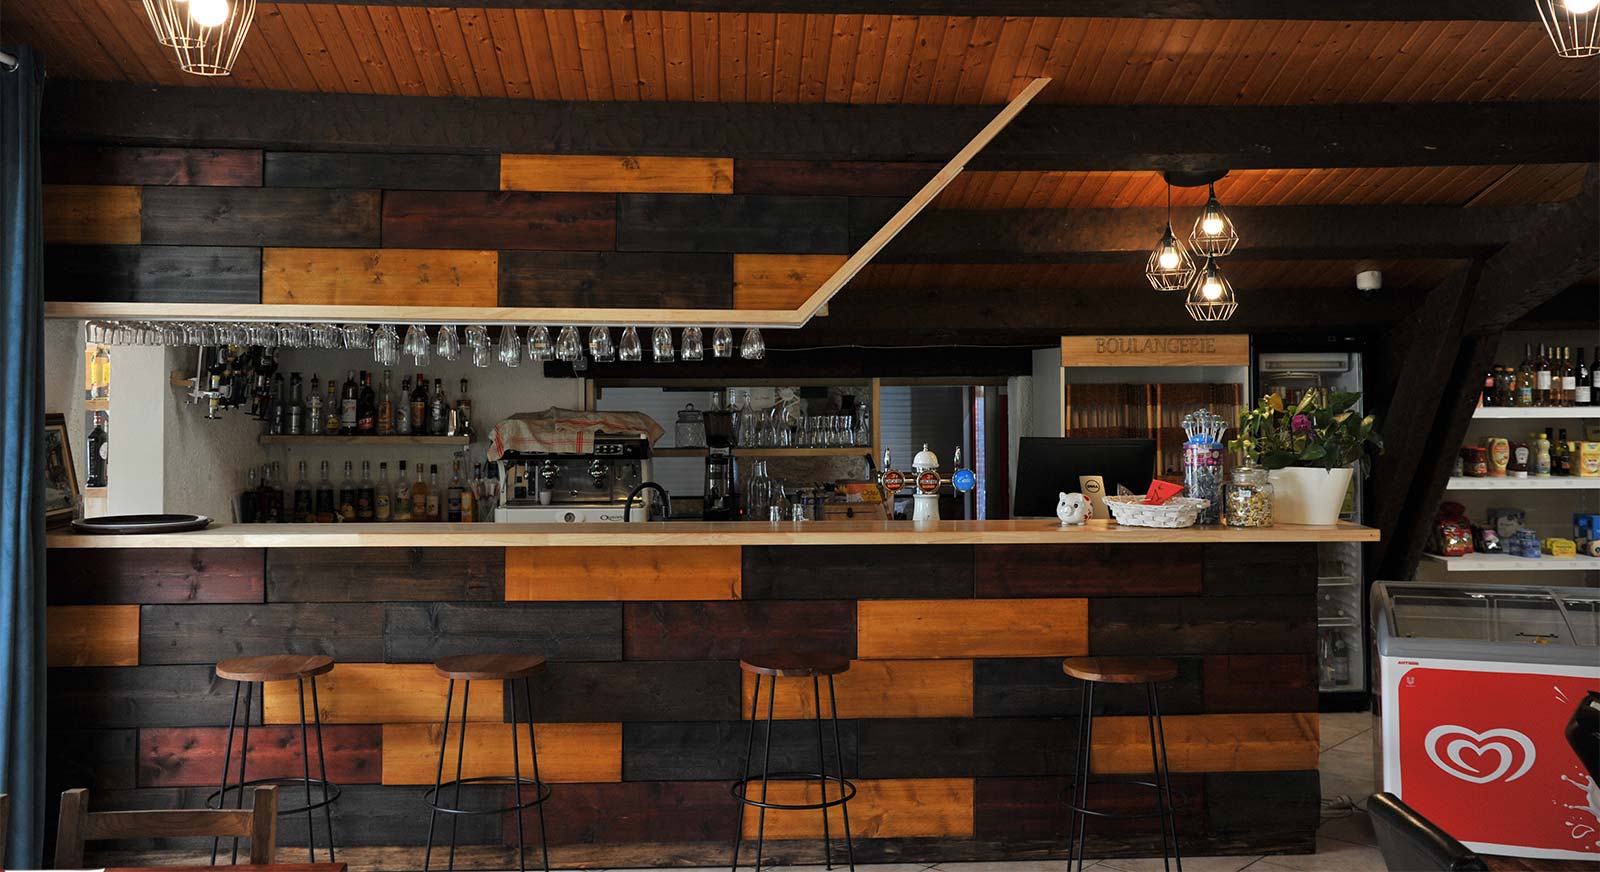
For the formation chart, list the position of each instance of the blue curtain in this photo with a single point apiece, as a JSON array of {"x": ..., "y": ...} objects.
[{"x": 22, "y": 615}]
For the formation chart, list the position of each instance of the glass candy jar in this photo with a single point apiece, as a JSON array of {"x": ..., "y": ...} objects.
[{"x": 1247, "y": 499}]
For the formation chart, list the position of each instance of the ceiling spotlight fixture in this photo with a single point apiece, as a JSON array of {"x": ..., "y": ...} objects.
[
  {"x": 1573, "y": 25},
  {"x": 1170, "y": 268},
  {"x": 220, "y": 25},
  {"x": 1211, "y": 296},
  {"x": 1214, "y": 234}
]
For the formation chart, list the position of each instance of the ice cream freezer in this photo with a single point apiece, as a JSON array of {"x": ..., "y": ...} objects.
[{"x": 1475, "y": 689}]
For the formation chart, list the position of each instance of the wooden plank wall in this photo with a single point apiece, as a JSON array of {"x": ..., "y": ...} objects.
[{"x": 957, "y": 722}]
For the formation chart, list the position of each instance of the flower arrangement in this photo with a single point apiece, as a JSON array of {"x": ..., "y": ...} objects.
[{"x": 1322, "y": 431}]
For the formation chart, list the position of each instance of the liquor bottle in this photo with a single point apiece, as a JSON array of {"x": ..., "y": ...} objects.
[
  {"x": 437, "y": 417},
  {"x": 452, "y": 502},
  {"x": 214, "y": 373},
  {"x": 469, "y": 503},
  {"x": 1582, "y": 386},
  {"x": 297, "y": 406},
  {"x": 1594, "y": 378},
  {"x": 333, "y": 410},
  {"x": 385, "y": 406},
  {"x": 382, "y": 497},
  {"x": 1569, "y": 378},
  {"x": 464, "y": 408},
  {"x": 304, "y": 508},
  {"x": 347, "y": 495},
  {"x": 1525, "y": 377},
  {"x": 480, "y": 492},
  {"x": 1339, "y": 660},
  {"x": 402, "y": 495},
  {"x": 99, "y": 453},
  {"x": 419, "y": 497},
  {"x": 100, "y": 373},
  {"x": 1540, "y": 443},
  {"x": 269, "y": 504},
  {"x": 278, "y": 419},
  {"x": 366, "y": 405},
  {"x": 248, "y": 502},
  {"x": 1486, "y": 396},
  {"x": 1563, "y": 455},
  {"x": 1541, "y": 384},
  {"x": 402, "y": 408},
  {"x": 349, "y": 401},
  {"x": 433, "y": 492},
  {"x": 366, "y": 495},
  {"x": 327, "y": 507},
  {"x": 314, "y": 419},
  {"x": 419, "y": 410}
]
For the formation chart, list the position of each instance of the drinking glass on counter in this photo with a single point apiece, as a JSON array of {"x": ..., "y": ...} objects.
[{"x": 758, "y": 493}]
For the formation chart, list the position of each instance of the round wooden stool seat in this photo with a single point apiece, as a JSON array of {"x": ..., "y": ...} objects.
[
  {"x": 793, "y": 664},
  {"x": 474, "y": 667},
  {"x": 1120, "y": 670},
  {"x": 274, "y": 667}
]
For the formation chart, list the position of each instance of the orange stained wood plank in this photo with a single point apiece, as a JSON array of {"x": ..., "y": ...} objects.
[
  {"x": 659, "y": 175},
  {"x": 882, "y": 809},
  {"x": 780, "y": 281},
  {"x": 379, "y": 277},
  {"x": 92, "y": 635},
  {"x": 915, "y": 629},
  {"x": 1210, "y": 743},
  {"x": 878, "y": 689},
  {"x": 92, "y": 214},
  {"x": 382, "y": 693},
  {"x": 577, "y": 574},
  {"x": 573, "y": 753}
]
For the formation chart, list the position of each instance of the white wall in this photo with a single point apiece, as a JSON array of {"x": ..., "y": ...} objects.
[{"x": 63, "y": 384}]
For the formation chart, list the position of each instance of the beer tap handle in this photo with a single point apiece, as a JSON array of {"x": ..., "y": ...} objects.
[{"x": 962, "y": 479}]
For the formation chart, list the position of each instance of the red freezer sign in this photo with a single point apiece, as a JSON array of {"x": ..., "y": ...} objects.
[{"x": 1484, "y": 756}]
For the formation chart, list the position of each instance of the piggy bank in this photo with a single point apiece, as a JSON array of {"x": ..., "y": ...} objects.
[{"x": 1074, "y": 508}]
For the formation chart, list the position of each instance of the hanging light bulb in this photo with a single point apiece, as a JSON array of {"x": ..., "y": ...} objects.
[
  {"x": 1211, "y": 297},
  {"x": 175, "y": 27},
  {"x": 1214, "y": 234},
  {"x": 208, "y": 13},
  {"x": 1573, "y": 25},
  {"x": 221, "y": 27},
  {"x": 1581, "y": 7},
  {"x": 1170, "y": 268}
]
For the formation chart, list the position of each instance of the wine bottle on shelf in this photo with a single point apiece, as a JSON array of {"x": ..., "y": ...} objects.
[
  {"x": 304, "y": 505},
  {"x": 438, "y": 406},
  {"x": 333, "y": 409},
  {"x": 433, "y": 492},
  {"x": 1526, "y": 376},
  {"x": 1594, "y": 378},
  {"x": 1569, "y": 378},
  {"x": 347, "y": 494},
  {"x": 402, "y": 495},
  {"x": 382, "y": 497},
  {"x": 314, "y": 411},
  {"x": 366, "y": 406},
  {"x": 296, "y": 411},
  {"x": 419, "y": 410},
  {"x": 249, "y": 500},
  {"x": 99, "y": 453},
  {"x": 419, "y": 497},
  {"x": 452, "y": 503},
  {"x": 327, "y": 506},
  {"x": 402, "y": 408},
  {"x": 268, "y": 506},
  {"x": 464, "y": 408},
  {"x": 1562, "y": 462},
  {"x": 385, "y": 419},
  {"x": 349, "y": 403},
  {"x": 1541, "y": 384},
  {"x": 366, "y": 494}
]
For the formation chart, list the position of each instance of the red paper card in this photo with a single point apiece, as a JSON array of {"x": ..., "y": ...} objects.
[{"x": 1161, "y": 491}]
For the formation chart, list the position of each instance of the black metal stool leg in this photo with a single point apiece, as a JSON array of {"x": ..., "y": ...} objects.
[
  {"x": 538, "y": 783},
  {"x": 227, "y": 761},
  {"x": 322, "y": 765},
  {"x": 838, "y": 752},
  {"x": 244, "y": 757},
  {"x": 516, "y": 776},
  {"x": 1086, "y": 755},
  {"x": 438, "y": 775},
  {"x": 461, "y": 755},
  {"x": 305, "y": 764},
  {"x": 744, "y": 772},
  {"x": 766, "y": 768},
  {"x": 1073, "y": 803},
  {"x": 1164, "y": 777},
  {"x": 822, "y": 773},
  {"x": 1155, "y": 772}
]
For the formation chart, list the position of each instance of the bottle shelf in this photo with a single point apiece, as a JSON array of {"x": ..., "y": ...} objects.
[
  {"x": 363, "y": 440},
  {"x": 1537, "y": 413},
  {"x": 857, "y": 451},
  {"x": 1508, "y": 563},
  {"x": 1506, "y": 483}
]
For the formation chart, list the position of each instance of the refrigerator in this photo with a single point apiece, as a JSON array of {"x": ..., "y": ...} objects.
[
  {"x": 1476, "y": 686},
  {"x": 1341, "y": 581}
]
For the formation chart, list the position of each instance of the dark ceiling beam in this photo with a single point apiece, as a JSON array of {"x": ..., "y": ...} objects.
[
  {"x": 1559, "y": 251},
  {"x": 1344, "y": 10},
  {"x": 1045, "y": 137},
  {"x": 1127, "y": 235}
]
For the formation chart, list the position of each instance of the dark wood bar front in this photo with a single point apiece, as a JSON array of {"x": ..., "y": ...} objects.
[{"x": 958, "y": 723}]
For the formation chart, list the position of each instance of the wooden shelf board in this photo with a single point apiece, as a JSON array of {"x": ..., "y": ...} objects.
[
  {"x": 1463, "y": 483},
  {"x": 363, "y": 440},
  {"x": 101, "y": 405},
  {"x": 1507, "y": 563}
]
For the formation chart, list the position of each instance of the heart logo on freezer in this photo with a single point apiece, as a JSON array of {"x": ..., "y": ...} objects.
[{"x": 1447, "y": 742}]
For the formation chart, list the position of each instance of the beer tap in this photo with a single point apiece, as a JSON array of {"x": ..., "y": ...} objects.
[{"x": 927, "y": 480}]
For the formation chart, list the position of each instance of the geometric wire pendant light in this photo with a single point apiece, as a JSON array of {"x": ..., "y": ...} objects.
[
  {"x": 173, "y": 24},
  {"x": 1573, "y": 25},
  {"x": 1211, "y": 297},
  {"x": 1214, "y": 234},
  {"x": 225, "y": 24},
  {"x": 1170, "y": 268}
]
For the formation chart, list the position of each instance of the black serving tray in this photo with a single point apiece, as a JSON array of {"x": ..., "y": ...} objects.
[{"x": 125, "y": 524}]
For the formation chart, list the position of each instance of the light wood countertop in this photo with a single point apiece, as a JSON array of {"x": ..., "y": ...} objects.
[{"x": 693, "y": 533}]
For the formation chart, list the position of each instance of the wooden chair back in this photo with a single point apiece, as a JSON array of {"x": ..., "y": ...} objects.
[{"x": 79, "y": 825}]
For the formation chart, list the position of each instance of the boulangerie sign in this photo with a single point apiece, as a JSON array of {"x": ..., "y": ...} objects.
[{"x": 1155, "y": 350}]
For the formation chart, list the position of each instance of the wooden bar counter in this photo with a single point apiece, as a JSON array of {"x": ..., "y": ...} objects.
[{"x": 958, "y": 722}]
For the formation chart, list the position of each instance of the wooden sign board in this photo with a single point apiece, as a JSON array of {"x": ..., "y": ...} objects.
[{"x": 1133, "y": 350}]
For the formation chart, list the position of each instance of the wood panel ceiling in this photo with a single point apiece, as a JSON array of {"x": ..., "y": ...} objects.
[
  {"x": 565, "y": 54},
  {"x": 1398, "y": 274}
]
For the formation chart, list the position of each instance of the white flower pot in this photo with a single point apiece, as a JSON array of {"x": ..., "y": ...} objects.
[{"x": 1306, "y": 495}]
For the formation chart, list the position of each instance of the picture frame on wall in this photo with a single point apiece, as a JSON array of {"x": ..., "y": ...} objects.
[{"x": 61, "y": 494}]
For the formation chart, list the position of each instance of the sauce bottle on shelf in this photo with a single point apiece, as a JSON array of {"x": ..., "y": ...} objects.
[
  {"x": 1541, "y": 453},
  {"x": 1518, "y": 467}
]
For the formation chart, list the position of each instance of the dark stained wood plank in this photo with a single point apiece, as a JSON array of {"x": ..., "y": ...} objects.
[
  {"x": 153, "y": 575},
  {"x": 149, "y": 696},
  {"x": 90, "y": 165},
  {"x": 636, "y": 690},
  {"x": 611, "y": 279},
  {"x": 1087, "y": 570},
  {"x": 831, "y": 177},
  {"x": 1241, "y": 803},
  {"x": 1035, "y": 808},
  {"x": 420, "y": 633},
  {"x": 98, "y": 759},
  {"x": 705, "y": 750},
  {"x": 260, "y": 216},
  {"x": 1202, "y": 625},
  {"x": 1037, "y": 687},
  {"x": 729, "y": 630},
  {"x": 857, "y": 572},
  {"x": 417, "y": 172},
  {"x": 351, "y": 632},
  {"x": 1260, "y": 683},
  {"x": 633, "y": 813},
  {"x": 192, "y": 756},
  {"x": 152, "y": 274},
  {"x": 943, "y": 748},
  {"x": 385, "y": 574},
  {"x": 500, "y": 219},
  {"x": 1548, "y": 259},
  {"x": 736, "y": 223},
  {"x": 1283, "y": 569}
]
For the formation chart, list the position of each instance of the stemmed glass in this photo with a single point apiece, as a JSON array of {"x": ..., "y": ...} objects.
[
  {"x": 629, "y": 350},
  {"x": 722, "y": 342},
  {"x": 357, "y": 336},
  {"x": 539, "y": 343},
  {"x": 568, "y": 348},
  {"x": 694, "y": 346},
  {"x": 478, "y": 344},
  {"x": 446, "y": 344},
  {"x": 661, "y": 345},
  {"x": 600, "y": 347},
  {"x": 418, "y": 346},
  {"x": 291, "y": 335},
  {"x": 326, "y": 335},
  {"x": 510, "y": 345},
  {"x": 753, "y": 347},
  {"x": 386, "y": 345}
]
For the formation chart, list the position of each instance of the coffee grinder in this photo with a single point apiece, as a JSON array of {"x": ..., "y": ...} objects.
[{"x": 722, "y": 490}]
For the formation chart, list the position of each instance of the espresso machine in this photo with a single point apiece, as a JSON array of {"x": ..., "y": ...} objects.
[
  {"x": 540, "y": 487},
  {"x": 722, "y": 486}
]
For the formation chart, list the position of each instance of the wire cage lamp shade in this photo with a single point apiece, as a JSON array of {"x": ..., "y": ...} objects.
[
  {"x": 1214, "y": 234},
  {"x": 220, "y": 26},
  {"x": 1573, "y": 25},
  {"x": 1211, "y": 297},
  {"x": 1170, "y": 268},
  {"x": 174, "y": 26}
]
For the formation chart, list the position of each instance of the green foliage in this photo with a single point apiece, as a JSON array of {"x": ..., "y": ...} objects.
[{"x": 1321, "y": 431}]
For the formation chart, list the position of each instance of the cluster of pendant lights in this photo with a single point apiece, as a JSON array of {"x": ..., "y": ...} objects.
[
  {"x": 206, "y": 35},
  {"x": 1573, "y": 25},
  {"x": 1209, "y": 294}
]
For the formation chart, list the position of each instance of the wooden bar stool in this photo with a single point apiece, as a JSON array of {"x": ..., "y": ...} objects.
[
  {"x": 467, "y": 668},
  {"x": 1148, "y": 671},
  {"x": 245, "y": 672},
  {"x": 794, "y": 665}
]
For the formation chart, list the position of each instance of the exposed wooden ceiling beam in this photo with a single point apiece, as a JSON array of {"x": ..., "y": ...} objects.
[
  {"x": 1560, "y": 250},
  {"x": 1345, "y": 10},
  {"x": 1046, "y": 137}
]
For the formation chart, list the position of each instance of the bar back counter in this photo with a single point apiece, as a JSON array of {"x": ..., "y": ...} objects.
[{"x": 958, "y": 725}]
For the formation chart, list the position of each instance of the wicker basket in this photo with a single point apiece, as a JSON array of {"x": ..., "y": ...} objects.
[{"x": 1175, "y": 512}]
